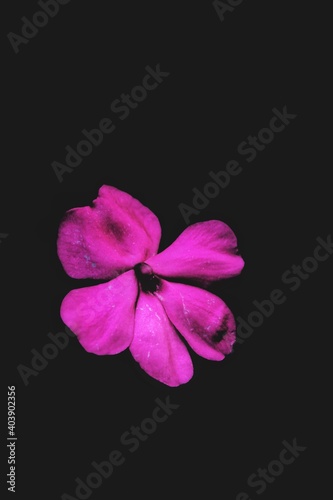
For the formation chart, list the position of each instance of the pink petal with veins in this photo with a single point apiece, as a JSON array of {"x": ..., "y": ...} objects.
[
  {"x": 108, "y": 238},
  {"x": 156, "y": 346},
  {"x": 203, "y": 319},
  {"x": 102, "y": 316},
  {"x": 206, "y": 251}
]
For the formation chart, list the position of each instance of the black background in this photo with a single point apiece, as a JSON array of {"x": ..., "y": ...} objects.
[{"x": 225, "y": 78}]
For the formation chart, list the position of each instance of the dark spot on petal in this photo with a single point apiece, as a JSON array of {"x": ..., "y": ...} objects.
[
  {"x": 218, "y": 336},
  {"x": 117, "y": 230}
]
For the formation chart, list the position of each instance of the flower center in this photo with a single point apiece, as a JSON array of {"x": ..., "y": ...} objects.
[{"x": 146, "y": 277}]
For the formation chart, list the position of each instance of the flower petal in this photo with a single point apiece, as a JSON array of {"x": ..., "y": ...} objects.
[
  {"x": 156, "y": 345},
  {"x": 205, "y": 251},
  {"x": 204, "y": 320},
  {"x": 102, "y": 316},
  {"x": 108, "y": 238}
]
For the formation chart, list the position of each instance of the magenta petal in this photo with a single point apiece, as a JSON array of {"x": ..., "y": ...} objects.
[
  {"x": 203, "y": 319},
  {"x": 156, "y": 345},
  {"x": 108, "y": 238},
  {"x": 102, "y": 316},
  {"x": 205, "y": 251}
]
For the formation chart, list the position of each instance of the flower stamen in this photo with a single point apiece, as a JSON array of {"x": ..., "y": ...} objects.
[{"x": 146, "y": 277}]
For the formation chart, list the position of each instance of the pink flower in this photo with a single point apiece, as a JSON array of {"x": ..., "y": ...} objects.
[{"x": 142, "y": 305}]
